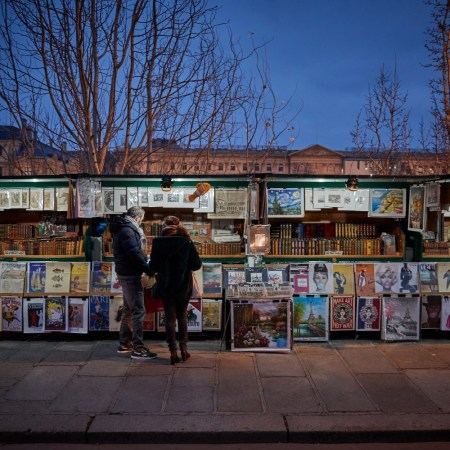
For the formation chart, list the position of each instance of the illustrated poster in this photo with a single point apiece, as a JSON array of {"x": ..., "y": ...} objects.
[
  {"x": 368, "y": 314},
  {"x": 342, "y": 312},
  {"x": 78, "y": 315}
]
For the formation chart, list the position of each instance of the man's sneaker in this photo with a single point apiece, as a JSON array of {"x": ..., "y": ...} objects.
[
  {"x": 124, "y": 348},
  {"x": 142, "y": 353}
]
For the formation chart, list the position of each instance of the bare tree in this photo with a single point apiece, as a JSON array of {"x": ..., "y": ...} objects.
[
  {"x": 112, "y": 77},
  {"x": 382, "y": 131}
]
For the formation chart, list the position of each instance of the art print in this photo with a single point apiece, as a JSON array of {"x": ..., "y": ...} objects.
[
  {"x": 445, "y": 313},
  {"x": 36, "y": 277},
  {"x": 120, "y": 200},
  {"x": 416, "y": 210},
  {"x": 101, "y": 277},
  {"x": 56, "y": 314},
  {"x": 211, "y": 314},
  {"x": 261, "y": 326},
  {"x": 334, "y": 198},
  {"x": 229, "y": 204},
  {"x": 115, "y": 312},
  {"x": 232, "y": 276},
  {"x": 320, "y": 278},
  {"x": 432, "y": 195},
  {"x": 401, "y": 318},
  {"x": 12, "y": 277},
  {"x": 387, "y": 203},
  {"x": 443, "y": 274},
  {"x": 409, "y": 277},
  {"x": 62, "y": 198},
  {"x": 343, "y": 279},
  {"x": 428, "y": 277},
  {"x": 143, "y": 197},
  {"x": 368, "y": 314},
  {"x": 5, "y": 199},
  {"x": 80, "y": 277},
  {"x": 36, "y": 199},
  {"x": 309, "y": 201},
  {"x": 310, "y": 318},
  {"x": 387, "y": 279},
  {"x": 212, "y": 278},
  {"x": 49, "y": 199},
  {"x": 156, "y": 197},
  {"x": 78, "y": 315},
  {"x": 194, "y": 315},
  {"x": 108, "y": 200},
  {"x": 57, "y": 279},
  {"x": 206, "y": 202},
  {"x": 299, "y": 274},
  {"x": 431, "y": 308},
  {"x": 33, "y": 315},
  {"x": 15, "y": 198},
  {"x": 342, "y": 313},
  {"x": 364, "y": 279},
  {"x": 99, "y": 313},
  {"x": 11, "y": 313},
  {"x": 285, "y": 202},
  {"x": 132, "y": 197}
]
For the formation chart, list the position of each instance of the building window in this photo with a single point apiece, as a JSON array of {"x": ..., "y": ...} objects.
[
  {"x": 244, "y": 167},
  {"x": 233, "y": 167},
  {"x": 210, "y": 167},
  {"x": 269, "y": 167},
  {"x": 172, "y": 166},
  {"x": 184, "y": 166},
  {"x": 256, "y": 167},
  {"x": 280, "y": 167},
  {"x": 197, "y": 168},
  {"x": 221, "y": 167}
]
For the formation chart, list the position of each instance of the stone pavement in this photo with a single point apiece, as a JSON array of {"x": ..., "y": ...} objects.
[{"x": 81, "y": 391}]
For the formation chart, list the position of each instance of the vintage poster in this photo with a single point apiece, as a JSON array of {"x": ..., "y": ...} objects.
[
  {"x": 194, "y": 315},
  {"x": 197, "y": 283},
  {"x": 56, "y": 313},
  {"x": 443, "y": 274},
  {"x": 149, "y": 321},
  {"x": 80, "y": 277},
  {"x": 57, "y": 279},
  {"x": 342, "y": 313},
  {"x": 300, "y": 278},
  {"x": 99, "y": 313},
  {"x": 36, "y": 277},
  {"x": 428, "y": 277},
  {"x": 430, "y": 317},
  {"x": 212, "y": 278},
  {"x": 33, "y": 315},
  {"x": 78, "y": 315},
  {"x": 261, "y": 325},
  {"x": 12, "y": 277},
  {"x": 62, "y": 198},
  {"x": 116, "y": 287},
  {"x": 101, "y": 277},
  {"x": 368, "y": 314},
  {"x": 320, "y": 278},
  {"x": 401, "y": 318},
  {"x": 364, "y": 279},
  {"x": 310, "y": 318},
  {"x": 343, "y": 279},
  {"x": 211, "y": 314},
  {"x": 115, "y": 312},
  {"x": 11, "y": 313}
]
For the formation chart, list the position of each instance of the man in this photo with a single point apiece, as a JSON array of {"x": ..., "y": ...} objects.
[{"x": 129, "y": 245}]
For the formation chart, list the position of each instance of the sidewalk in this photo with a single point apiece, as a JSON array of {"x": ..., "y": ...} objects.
[{"x": 337, "y": 391}]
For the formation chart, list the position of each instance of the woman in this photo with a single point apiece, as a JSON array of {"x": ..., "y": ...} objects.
[{"x": 173, "y": 258}]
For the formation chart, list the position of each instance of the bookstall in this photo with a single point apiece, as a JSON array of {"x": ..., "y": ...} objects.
[{"x": 285, "y": 259}]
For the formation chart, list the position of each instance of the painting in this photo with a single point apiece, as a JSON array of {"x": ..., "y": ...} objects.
[
  {"x": 416, "y": 210},
  {"x": 310, "y": 318},
  {"x": 261, "y": 326},
  {"x": 387, "y": 203},
  {"x": 285, "y": 202},
  {"x": 432, "y": 195},
  {"x": 400, "y": 318}
]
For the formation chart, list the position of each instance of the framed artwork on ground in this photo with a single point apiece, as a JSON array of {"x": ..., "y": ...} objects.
[
  {"x": 310, "y": 318},
  {"x": 401, "y": 318}
]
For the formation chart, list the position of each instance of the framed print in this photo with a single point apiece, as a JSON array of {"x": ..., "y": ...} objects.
[
  {"x": 368, "y": 314},
  {"x": 320, "y": 278},
  {"x": 432, "y": 195},
  {"x": 365, "y": 279},
  {"x": 229, "y": 204},
  {"x": 11, "y": 313},
  {"x": 400, "y": 318},
  {"x": 387, "y": 203},
  {"x": 25, "y": 198},
  {"x": 362, "y": 199},
  {"x": 206, "y": 202},
  {"x": 212, "y": 278},
  {"x": 36, "y": 199},
  {"x": 108, "y": 200},
  {"x": 258, "y": 239},
  {"x": 310, "y": 318},
  {"x": 49, "y": 199},
  {"x": 56, "y": 313},
  {"x": 430, "y": 317},
  {"x": 156, "y": 197},
  {"x": 143, "y": 199},
  {"x": 416, "y": 210},
  {"x": 334, "y": 198},
  {"x": 5, "y": 199},
  {"x": 387, "y": 278},
  {"x": 443, "y": 273},
  {"x": 115, "y": 312},
  {"x": 261, "y": 325},
  {"x": 62, "y": 198},
  {"x": 319, "y": 196},
  {"x": 15, "y": 198},
  {"x": 309, "y": 201},
  {"x": 445, "y": 313},
  {"x": 343, "y": 279},
  {"x": 342, "y": 312},
  {"x": 33, "y": 315},
  {"x": 120, "y": 200},
  {"x": 212, "y": 314},
  {"x": 299, "y": 274},
  {"x": 132, "y": 197},
  {"x": 285, "y": 202}
]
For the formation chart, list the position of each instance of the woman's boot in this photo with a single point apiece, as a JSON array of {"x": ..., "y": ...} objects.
[
  {"x": 174, "y": 358},
  {"x": 184, "y": 353}
]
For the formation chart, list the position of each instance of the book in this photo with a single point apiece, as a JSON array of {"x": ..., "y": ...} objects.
[
  {"x": 78, "y": 315},
  {"x": 11, "y": 313}
]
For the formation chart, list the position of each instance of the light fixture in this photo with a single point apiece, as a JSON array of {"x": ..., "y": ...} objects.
[
  {"x": 166, "y": 183},
  {"x": 352, "y": 183}
]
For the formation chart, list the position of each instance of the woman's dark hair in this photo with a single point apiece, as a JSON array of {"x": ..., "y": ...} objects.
[{"x": 172, "y": 226}]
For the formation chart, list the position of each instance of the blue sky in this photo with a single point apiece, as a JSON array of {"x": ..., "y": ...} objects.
[{"x": 329, "y": 51}]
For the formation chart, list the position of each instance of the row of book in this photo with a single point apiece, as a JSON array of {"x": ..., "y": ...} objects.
[
  {"x": 436, "y": 248},
  {"x": 221, "y": 248},
  {"x": 316, "y": 246},
  {"x": 44, "y": 246}
]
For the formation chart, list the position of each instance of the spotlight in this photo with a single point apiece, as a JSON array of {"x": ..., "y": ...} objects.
[
  {"x": 166, "y": 183},
  {"x": 352, "y": 183}
]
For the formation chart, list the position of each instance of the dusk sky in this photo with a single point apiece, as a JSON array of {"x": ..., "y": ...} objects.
[{"x": 329, "y": 51}]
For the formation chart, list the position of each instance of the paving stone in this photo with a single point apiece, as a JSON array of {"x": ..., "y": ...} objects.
[
  {"x": 411, "y": 355},
  {"x": 101, "y": 368},
  {"x": 193, "y": 399},
  {"x": 191, "y": 377},
  {"x": 367, "y": 360},
  {"x": 279, "y": 364}
]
